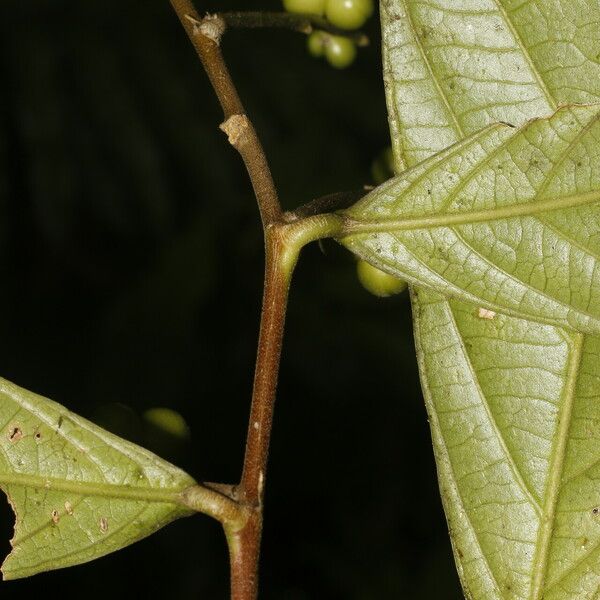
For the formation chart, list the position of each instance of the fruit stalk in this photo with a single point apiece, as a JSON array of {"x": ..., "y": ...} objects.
[{"x": 301, "y": 23}]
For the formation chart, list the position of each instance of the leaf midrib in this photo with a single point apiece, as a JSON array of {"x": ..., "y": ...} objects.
[
  {"x": 86, "y": 488},
  {"x": 556, "y": 470},
  {"x": 353, "y": 226}
]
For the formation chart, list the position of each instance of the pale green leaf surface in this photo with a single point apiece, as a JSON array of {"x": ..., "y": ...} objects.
[
  {"x": 514, "y": 416},
  {"x": 509, "y": 218},
  {"x": 452, "y": 67},
  {"x": 78, "y": 492}
]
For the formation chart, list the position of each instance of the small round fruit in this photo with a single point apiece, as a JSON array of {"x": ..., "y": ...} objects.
[
  {"x": 382, "y": 168},
  {"x": 167, "y": 421},
  {"x": 316, "y": 43},
  {"x": 305, "y": 7},
  {"x": 378, "y": 282},
  {"x": 348, "y": 14},
  {"x": 340, "y": 51}
]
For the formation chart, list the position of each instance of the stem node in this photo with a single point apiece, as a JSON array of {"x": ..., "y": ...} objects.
[
  {"x": 211, "y": 27},
  {"x": 236, "y": 128}
]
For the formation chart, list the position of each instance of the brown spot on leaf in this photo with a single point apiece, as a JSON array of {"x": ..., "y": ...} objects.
[
  {"x": 69, "y": 507},
  {"x": 103, "y": 524},
  {"x": 15, "y": 434},
  {"x": 596, "y": 511},
  {"x": 38, "y": 435},
  {"x": 55, "y": 517}
]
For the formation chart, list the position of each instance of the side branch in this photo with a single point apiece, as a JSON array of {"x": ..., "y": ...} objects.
[{"x": 284, "y": 20}]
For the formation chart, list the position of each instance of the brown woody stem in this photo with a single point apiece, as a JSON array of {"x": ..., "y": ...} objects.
[
  {"x": 244, "y": 545},
  {"x": 205, "y": 35},
  {"x": 244, "y": 535},
  {"x": 240, "y": 508}
]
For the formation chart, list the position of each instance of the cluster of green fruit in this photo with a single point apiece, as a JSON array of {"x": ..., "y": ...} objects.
[{"x": 340, "y": 51}]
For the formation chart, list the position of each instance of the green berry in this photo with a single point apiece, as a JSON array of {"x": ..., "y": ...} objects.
[
  {"x": 378, "y": 282},
  {"x": 382, "y": 168},
  {"x": 316, "y": 43},
  {"x": 168, "y": 421},
  {"x": 305, "y": 7},
  {"x": 340, "y": 51},
  {"x": 369, "y": 8},
  {"x": 348, "y": 14}
]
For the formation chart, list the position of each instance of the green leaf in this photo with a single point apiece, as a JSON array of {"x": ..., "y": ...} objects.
[
  {"x": 508, "y": 218},
  {"x": 78, "y": 492},
  {"x": 516, "y": 430},
  {"x": 450, "y": 69}
]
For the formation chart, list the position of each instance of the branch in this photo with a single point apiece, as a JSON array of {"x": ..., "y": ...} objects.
[
  {"x": 243, "y": 538},
  {"x": 294, "y": 22},
  {"x": 284, "y": 237}
]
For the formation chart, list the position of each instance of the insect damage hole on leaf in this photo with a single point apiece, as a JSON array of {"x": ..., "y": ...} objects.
[
  {"x": 15, "y": 434},
  {"x": 103, "y": 524}
]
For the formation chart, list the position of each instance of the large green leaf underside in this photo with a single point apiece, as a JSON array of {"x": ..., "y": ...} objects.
[
  {"x": 516, "y": 428},
  {"x": 508, "y": 218},
  {"x": 450, "y": 69},
  {"x": 78, "y": 492}
]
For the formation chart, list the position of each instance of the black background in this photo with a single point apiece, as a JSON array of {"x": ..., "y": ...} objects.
[{"x": 131, "y": 274}]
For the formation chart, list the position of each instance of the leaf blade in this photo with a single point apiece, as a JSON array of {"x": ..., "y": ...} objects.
[
  {"x": 483, "y": 218},
  {"x": 560, "y": 40},
  {"x": 78, "y": 492},
  {"x": 503, "y": 504}
]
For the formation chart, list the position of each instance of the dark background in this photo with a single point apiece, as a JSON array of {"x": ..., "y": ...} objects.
[{"x": 131, "y": 274}]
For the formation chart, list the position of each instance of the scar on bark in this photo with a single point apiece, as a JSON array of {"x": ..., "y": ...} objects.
[{"x": 235, "y": 127}]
